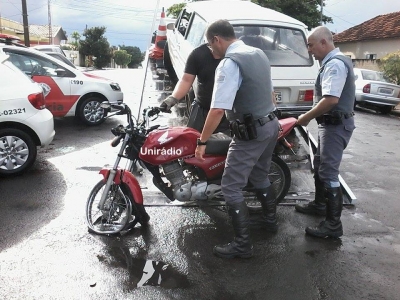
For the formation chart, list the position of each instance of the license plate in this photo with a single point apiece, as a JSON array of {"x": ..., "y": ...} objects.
[
  {"x": 385, "y": 91},
  {"x": 278, "y": 96}
]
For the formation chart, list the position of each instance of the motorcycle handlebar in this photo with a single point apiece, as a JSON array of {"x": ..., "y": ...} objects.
[{"x": 116, "y": 141}]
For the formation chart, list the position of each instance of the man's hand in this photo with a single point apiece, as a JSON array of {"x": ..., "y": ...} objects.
[
  {"x": 168, "y": 103},
  {"x": 199, "y": 153}
]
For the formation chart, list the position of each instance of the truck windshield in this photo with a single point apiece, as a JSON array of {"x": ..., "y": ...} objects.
[{"x": 283, "y": 46}]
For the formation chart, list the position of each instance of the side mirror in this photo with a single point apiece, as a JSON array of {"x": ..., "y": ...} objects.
[
  {"x": 60, "y": 72},
  {"x": 171, "y": 26}
]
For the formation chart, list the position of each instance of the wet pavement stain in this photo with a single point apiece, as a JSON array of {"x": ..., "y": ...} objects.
[{"x": 144, "y": 272}]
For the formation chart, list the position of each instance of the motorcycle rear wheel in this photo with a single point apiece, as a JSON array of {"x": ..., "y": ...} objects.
[
  {"x": 280, "y": 178},
  {"x": 116, "y": 213}
]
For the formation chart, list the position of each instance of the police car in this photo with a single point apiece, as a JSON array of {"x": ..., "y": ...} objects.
[
  {"x": 71, "y": 91},
  {"x": 25, "y": 123}
]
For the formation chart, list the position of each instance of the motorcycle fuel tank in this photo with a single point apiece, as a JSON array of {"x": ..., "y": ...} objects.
[{"x": 166, "y": 145}]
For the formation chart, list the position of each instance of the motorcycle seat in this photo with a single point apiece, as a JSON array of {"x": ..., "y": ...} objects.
[{"x": 218, "y": 146}]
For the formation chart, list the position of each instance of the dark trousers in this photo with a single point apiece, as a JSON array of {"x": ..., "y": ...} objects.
[
  {"x": 198, "y": 117},
  {"x": 249, "y": 161},
  {"x": 332, "y": 140}
]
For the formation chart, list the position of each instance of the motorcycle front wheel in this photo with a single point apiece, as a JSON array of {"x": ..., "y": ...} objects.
[
  {"x": 280, "y": 178},
  {"x": 116, "y": 213}
]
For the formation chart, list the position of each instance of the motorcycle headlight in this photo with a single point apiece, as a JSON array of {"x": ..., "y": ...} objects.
[{"x": 115, "y": 86}]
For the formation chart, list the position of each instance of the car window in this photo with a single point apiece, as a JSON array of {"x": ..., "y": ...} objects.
[
  {"x": 283, "y": 46},
  {"x": 61, "y": 58},
  {"x": 196, "y": 31},
  {"x": 35, "y": 65},
  {"x": 373, "y": 75},
  {"x": 183, "y": 21}
]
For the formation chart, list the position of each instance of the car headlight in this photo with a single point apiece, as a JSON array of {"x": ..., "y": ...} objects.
[{"x": 115, "y": 86}]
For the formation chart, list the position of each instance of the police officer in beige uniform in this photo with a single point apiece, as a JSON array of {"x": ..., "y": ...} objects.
[
  {"x": 335, "y": 96},
  {"x": 243, "y": 90}
]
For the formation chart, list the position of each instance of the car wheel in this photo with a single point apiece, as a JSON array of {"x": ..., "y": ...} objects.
[
  {"x": 385, "y": 109},
  {"x": 168, "y": 65},
  {"x": 17, "y": 152},
  {"x": 90, "y": 111}
]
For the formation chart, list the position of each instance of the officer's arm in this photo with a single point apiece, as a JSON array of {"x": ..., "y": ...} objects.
[
  {"x": 214, "y": 117},
  {"x": 322, "y": 107}
]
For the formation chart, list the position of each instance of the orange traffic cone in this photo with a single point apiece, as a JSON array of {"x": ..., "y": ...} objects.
[{"x": 157, "y": 50}]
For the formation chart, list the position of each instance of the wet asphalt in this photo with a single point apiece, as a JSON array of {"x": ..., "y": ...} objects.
[{"x": 47, "y": 253}]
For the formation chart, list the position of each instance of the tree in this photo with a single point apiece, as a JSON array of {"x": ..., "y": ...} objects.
[
  {"x": 137, "y": 56},
  {"x": 96, "y": 47},
  {"x": 307, "y": 12},
  {"x": 122, "y": 58},
  {"x": 175, "y": 9},
  {"x": 390, "y": 65},
  {"x": 76, "y": 36}
]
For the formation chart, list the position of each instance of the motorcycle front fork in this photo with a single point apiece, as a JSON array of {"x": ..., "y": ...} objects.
[{"x": 110, "y": 180}]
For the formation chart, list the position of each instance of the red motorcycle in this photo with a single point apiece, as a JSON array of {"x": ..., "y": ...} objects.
[{"x": 116, "y": 202}]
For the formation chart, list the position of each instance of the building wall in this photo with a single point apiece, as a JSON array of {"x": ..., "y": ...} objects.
[
  {"x": 11, "y": 27},
  {"x": 73, "y": 56},
  {"x": 375, "y": 49}
]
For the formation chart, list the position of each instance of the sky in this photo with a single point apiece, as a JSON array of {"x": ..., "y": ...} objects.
[{"x": 131, "y": 22}]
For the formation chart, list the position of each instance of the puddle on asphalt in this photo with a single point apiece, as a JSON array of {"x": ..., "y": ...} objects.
[
  {"x": 144, "y": 272},
  {"x": 66, "y": 149}
]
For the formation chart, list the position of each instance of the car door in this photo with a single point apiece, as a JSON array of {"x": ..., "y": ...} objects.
[
  {"x": 175, "y": 41},
  {"x": 46, "y": 73}
]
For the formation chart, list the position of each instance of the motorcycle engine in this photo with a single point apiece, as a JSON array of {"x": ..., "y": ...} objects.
[
  {"x": 185, "y": 188},
  {"x": 181, "y": 188}
]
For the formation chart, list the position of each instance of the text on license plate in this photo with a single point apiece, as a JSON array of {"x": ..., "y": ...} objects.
[
  {"x": 385, "y": 91},
  {"x": 278, "y": 96}
]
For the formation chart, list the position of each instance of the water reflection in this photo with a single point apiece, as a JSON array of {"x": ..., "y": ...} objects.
[{"x": 144, "y": 272}]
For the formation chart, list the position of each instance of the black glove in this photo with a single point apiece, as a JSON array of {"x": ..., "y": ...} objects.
[
  {"x": 168, "y": 103},
  {"x": 164, "y": 108}
]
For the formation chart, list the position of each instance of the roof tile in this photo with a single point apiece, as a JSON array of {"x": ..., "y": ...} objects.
[{"x": 381, "y": 27}]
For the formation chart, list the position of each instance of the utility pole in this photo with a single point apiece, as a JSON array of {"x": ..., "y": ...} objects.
[
  {"x": 322, "y": 5},
  {"x": 50, "y": 27},
  {"x": 26, "y": 25}
]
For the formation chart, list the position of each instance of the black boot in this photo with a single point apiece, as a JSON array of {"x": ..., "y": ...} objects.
[
  {"x": 266, "y": 220},
  {"x": 316, "y": 207},
  {"x": 241, "y": 246},
  {"x": 332, "y": 226}
]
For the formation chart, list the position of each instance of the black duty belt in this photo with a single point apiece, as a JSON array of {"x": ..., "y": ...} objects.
[
  {"x": 334, "y": 118},
  {"x": 264, "y": 120}
]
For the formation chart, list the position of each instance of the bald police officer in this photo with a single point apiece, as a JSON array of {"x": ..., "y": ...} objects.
[
  {"x": 243, "y": 90},
  {"x": 333, "y": 111}
]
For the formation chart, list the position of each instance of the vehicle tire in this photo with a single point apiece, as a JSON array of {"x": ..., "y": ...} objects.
[
  {"x": 90, "y": 111},
  {"x": 17, "y": 151},
  {"x": 168, "y": 65},
  {"x": 385, "y": 109},
  {"x": 280, "y": 178},
  {"x": 116, "y": 213}
]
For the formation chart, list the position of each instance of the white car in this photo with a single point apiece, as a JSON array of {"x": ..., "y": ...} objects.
[
  {"x": 25, "y": 123},
  {"x": 282, "y": 38},
  {"x": 72, "y": 92},
  {"x": 374, "y": 91}
]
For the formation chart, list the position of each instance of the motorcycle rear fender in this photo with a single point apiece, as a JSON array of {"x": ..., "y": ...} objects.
[{"x": 129, "y": 179}]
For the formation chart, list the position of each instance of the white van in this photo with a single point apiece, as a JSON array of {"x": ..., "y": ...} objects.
[{"x": 281, "y": 37}]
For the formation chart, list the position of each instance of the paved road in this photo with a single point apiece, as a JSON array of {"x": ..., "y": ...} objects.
[{"x": 47, "y": 253}]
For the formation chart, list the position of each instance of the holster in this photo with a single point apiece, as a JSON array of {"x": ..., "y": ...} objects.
[
  {"x": 244, "y": 131},
  {"x": 333, "y": 118}
]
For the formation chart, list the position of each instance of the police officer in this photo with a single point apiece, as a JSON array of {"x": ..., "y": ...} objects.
[
  {"x": 201, "y": 63},
  {"x": 335, "y": 96},
  {"x": 243, "y": 90}
]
